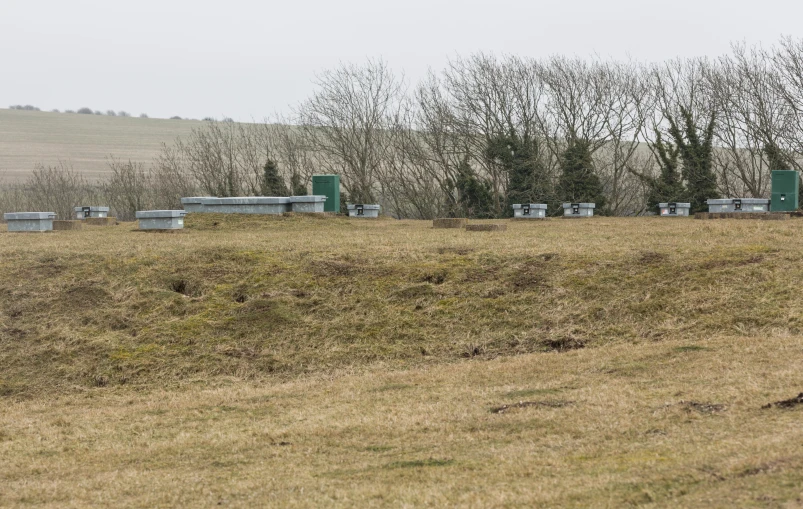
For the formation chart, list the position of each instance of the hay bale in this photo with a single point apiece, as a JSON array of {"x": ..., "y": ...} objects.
[
  {"x": 486, "y": 227},
  {"x": 449, "y": 222},
  {"x": 100, "y": 221},
  {"x": 67, "y": 225},
  {"x": 763, "y": 216},
  {"x": 173, "y": 231}
]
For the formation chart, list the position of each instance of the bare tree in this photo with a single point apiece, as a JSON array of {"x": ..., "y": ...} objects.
[
  {"x": 788, "y": 64},
  {"x": 287, "y": 147},
  {"x": 56, "y": 189},
  {"x": 753, "y": 121},
  {"x": 224, "y": 158},
  {"x": 128, "y": 188},
  {"x": 346, "y": 121}
]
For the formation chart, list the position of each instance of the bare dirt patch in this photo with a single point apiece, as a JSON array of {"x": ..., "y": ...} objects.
[
  {"x": 531, "y": 404},
  {"x": 787, "y": 403}
]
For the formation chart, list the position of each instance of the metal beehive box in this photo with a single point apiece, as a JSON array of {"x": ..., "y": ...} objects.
[
  {"x": 247, "y": 205},
  {"x": 161, "y": 219},
  {"x": 674, "y": 209},
  {"x": 727, "y": 205},
  {"x": 194, "y": 203},
  {"x": 529, "y": 210},
  {"x": 91, "y": 211},
  {"x": 308, "y": 204},
  {"x": 363, "y": 210},
  {"x": 578, "y": 209},
  {"x": 30, "y": 221}
]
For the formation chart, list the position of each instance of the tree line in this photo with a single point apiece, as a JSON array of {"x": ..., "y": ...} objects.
[{"x": 488, "y": 131}]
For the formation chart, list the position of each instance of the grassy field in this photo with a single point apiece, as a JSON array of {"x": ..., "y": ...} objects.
[
  {"x": 28, "y": 138},
  {"x": 302, "y": 361}
]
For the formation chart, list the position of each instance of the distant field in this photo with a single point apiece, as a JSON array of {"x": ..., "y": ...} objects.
[
  {"x": 296, "y": 362},
  {"x": 31, "y": 137}
]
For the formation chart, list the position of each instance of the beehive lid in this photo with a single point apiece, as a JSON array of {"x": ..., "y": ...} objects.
[
  {"x": 312, "y": 198},
  {"x": 678, "y": 205},
  {"x": 18, "y": 216},
  {"x": 531, "y": 205},
  {"x": 160, "y": 214},
  {"x": 582, "y": 205},
  {"x": 248, "y": 200},
  {"x": 354, "y": 206},
  {"x": 92, "y": 209}
]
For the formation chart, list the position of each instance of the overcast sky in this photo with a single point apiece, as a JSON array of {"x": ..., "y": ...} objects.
[{"x": 248, "y": 59}]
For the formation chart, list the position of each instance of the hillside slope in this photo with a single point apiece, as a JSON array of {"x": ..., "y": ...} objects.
[
  {"x": 256, "y": 297},
  {"x": 297, "y": 361},
  {"x": 28, "y": 138}
]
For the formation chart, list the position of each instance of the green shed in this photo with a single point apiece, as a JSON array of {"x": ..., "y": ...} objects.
[
  {"x": 785, "y": 186},
  {"x": 329, "y": 186}
]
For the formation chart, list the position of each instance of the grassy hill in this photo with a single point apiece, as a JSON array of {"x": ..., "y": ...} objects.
[
  {"x": 28, "y": 138},
  {"x": 322, "y": 361}
]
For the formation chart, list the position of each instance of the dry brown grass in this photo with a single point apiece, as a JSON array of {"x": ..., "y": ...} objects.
[
  {"x": 321, "y": 361},
  {"x": 68, "y": 225},
  {"x": 658, "y": 424}
]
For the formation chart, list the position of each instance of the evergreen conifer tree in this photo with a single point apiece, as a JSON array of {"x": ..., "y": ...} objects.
[
  {"x": 474, "y": 194},
  {"x": 668, "y": 187},
  {"x": 696, "y": 153},
  {"x": 298, "y": 188},
  {"x": 578, "y": 182},
  {"x": 527, "y": 180},
  {"x": 272, "y": 182}
]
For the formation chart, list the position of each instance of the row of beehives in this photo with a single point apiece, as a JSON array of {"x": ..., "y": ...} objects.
[
  {"x": 43, "y": 221},
  {"x": 270, "y": 205},
  {"x": 174, "y": 219},
  {"x": 673, "y": 209}
]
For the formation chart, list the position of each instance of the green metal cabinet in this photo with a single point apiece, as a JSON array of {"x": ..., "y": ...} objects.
[
  {"x": 785, "y": 186},
  {"x": 329, "y": 186}
]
